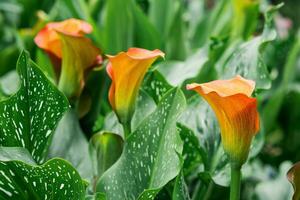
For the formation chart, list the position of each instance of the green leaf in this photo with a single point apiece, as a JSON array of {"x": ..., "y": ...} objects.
[
  {"x": 271, "y": 110},
  {"x": 105, "y": 148},
  {"x": 9, "y": 83},
  {"x": 150, "y": 157},
  {"x": 180, "y": 191},
  {"x": 156, "y": 85},
  {"x": 55, "y": 179},
  {"x": 145, "y": 34},
  {"x": 192, "y": 151},
  {"x": 187, "y": 69},
  {"x": 145, "y": 105},
  {"x": 246, "y": 58},
  {"x": 29, "y": 117},
  {"x": 118, "y": 26},
  {"x": 16, "y": 153},
  {"x": 162, "y": 14},
  {"x": 70, "y": 143},
  {"x": 97, "y": 196}
]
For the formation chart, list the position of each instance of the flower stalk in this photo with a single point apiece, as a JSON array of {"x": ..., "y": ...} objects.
[{"x": 235, "y": 184}]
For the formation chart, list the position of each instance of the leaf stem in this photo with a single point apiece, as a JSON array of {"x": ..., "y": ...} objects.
[
  {"x": 235, "y": 185},
  {"x": 127, "y": 129}
]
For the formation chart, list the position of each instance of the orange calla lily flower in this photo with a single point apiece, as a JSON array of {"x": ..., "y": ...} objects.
[
  {"x": 236, "y": 113},
  {"x": 49, "y": 40},
  {"x": 293, "y": 176},
  {"x": 69, "y": 51},
  {"x": 127, "y": 70}
]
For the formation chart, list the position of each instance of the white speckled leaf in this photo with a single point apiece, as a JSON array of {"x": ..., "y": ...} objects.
[
  {"x": 247, "y": 60},
  {"x": 27, "y": 118},
  {"x": 180, "y": 191},
  {"x": 150, "y": 157},
  {"x": 55, "y": 179}
]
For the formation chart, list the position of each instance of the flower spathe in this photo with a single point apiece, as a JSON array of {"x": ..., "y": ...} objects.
[
  {"x": 293, "y": 176},
  {"x": 70, "y": 52},
  {"x": 236, "y": 112},
  {"x": 49, "y": 39},
  {"x": 127, "y": 70}
]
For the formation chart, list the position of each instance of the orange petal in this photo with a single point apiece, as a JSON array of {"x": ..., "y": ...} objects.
[
  {"x": 49, "y": 40},
  {"x": 236, "y": 113},
  {"x": 127, "y": 70},
  {"x": 293, "y": 176}
]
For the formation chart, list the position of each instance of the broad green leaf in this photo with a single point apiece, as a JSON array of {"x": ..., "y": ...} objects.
[
  {"x": 112, "y": 124},
  {"x": 193, "y": 154},
  {"x": 162, "y": 14},
  {"x": 156, "y": 85},
  {"x": 118, "y": 26},
  {"x": 16, "y": 153},
  {"x": 150, "y": 157},
  {"x": 180, "y": 191},
  {"x": 216, "y": 21},
  {"x": 55, "y": 179},
  {"x": 105, "y": 148},
  {"x": 9, "y": 83},
  {"x": 246, "y": 58},
  {"x": 97, "y": 196},
  {"x": 177, "y": 40},
  {"x": 145, "y": 34},
  {"x": 29, "y": 117},
  {"x": 70, "y": 143},
  {"x": 187, "y": 69},
  {"x": 145, "y": 105}
]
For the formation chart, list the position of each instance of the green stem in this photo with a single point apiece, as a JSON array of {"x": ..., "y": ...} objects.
[
  {"x": 127, "y": 129},
  {"x": 235, "y": 185}
]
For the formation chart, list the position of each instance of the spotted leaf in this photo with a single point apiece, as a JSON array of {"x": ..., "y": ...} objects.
[
  {"x": 29, "y": 116},
  {"x": 180, "y": 191},
  {"x": 55, "y": 179},
  {"x": 150, "y": 157}
]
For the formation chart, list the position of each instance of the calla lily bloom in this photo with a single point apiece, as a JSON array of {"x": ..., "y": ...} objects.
[
  {"x": 293, "y": 176},
  {"x": 70, "y": 52},
  {"x": 236, "y": 113},
  {"x": 127, "y": 70}
]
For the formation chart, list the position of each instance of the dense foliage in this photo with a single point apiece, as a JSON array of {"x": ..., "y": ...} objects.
[{"x": 84, "y": 115}]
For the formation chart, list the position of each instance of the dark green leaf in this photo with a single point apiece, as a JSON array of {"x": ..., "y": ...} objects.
[
  {"x": 29, "y": 117},
  {"x": 180, "y": 191},
  {"x": 156, "y": 85},
  {"x": 192, "y": 151},
  {"x": 55, "y": 179}
]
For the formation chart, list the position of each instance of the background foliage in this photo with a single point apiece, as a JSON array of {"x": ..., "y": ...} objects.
[{"x": 203, "y": 40}]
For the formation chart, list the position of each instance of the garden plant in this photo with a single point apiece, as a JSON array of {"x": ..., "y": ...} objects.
[{"x": 149, "y": 100}]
